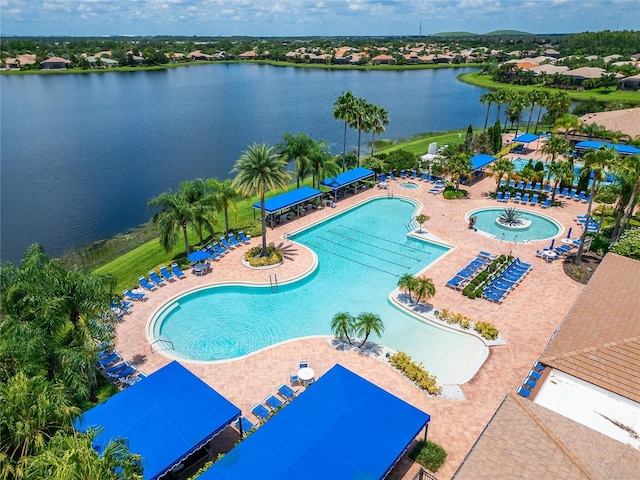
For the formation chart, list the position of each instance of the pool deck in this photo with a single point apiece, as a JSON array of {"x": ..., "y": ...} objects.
[{"x": 526, "y": 320}]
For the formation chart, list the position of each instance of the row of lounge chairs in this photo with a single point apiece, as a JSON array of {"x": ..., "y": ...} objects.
[
  {"x": 523, "y": 199},
  {"x": 117, "y": 370},
  {"x": 573, "y": 194},
  {"x": 529, "y": 383},
  {"x": 263, "y": 411},
  {"x": 216, "y": 250},
  {"x": 154, "y": 281},
  {"x": 521, "y": 186},
  {"x": 591, "y": 224},
  {"x": 464, "y": 276},
  {"x": 506, "y": 281}
]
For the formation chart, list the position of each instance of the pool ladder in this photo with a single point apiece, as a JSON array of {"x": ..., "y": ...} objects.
[
  {"x": 273, "y": 282},
  {"x": 162, "y": 341}
]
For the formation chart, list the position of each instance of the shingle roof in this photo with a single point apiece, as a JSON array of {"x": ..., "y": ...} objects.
[
  {"x": 599, "y": 339},
  {"x": 526, "y": 440}
]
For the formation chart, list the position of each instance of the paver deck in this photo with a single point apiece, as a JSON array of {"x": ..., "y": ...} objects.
[{"x": 526, "y": 319}]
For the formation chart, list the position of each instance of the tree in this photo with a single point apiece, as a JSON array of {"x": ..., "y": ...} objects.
[
  {"x": 367, "y": 322},
  {"x": 502, "y": 166},
  {"x": 457, "y": 166},
  {"x": 360, "y": 119},
  {"x": 595, "y": 162},
  {"x": 407, "y": 283},
  {"x": 421, "y": 219},
  {"x": 257, "y": 169},
  {"x": 555, "y": 146},
  {"x": 343, "y": 109},
  {"x": 297, "y": 148},
  {"x": 500, "y": 98},
  {"x": 592, "y": 130},
  {"x": 560, "y": 171},
  {"x": 424, "y": 289},
  {"x": 630, "y": 169},
  {"x": 629, "y": 244},
  {"x": 195, "y": 195},
  {"x": 343, "y": 325},
  {"x": 557, "y": 104},
  {"x": 321, "y": 163},
  {"x": 542, "y": 100},
  {"x": 487, "y": 99},
  {"x": 517, "y": 105},
  {"x": 223, "y": 198},
  {"x": 568, "y": 123},
  {"x": 379, "y": 120},
  {"x": 535, "y": 97}
]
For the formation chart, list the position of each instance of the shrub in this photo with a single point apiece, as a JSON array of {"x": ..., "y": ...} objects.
[
  {"x": 429, "y": 455},
  {"x": 415, "y": 372},
  {"x": 273, "y": 257},
  {"x": 467, "y": 290},
  {"x": 487, "y": 330},
  {"x": 479, "y": 292},
  {"x": 629, "y": 244}
]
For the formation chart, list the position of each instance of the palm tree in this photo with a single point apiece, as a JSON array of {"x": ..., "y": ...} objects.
[
  {"x": 500, "y": 98},
  {"x": 558, "y": 103},
  {"x": 630, "y": 166},
  {"x": 298, "y": 149},
  {"x": 424, "y": 289},
  {"x": 194, "y": 192},
  {"x": 555, "y": 146},
  {"x": 595, "y": 162},
  {"x": 343, "y": 325},
  {"x": 407, "y": 283},
  {"x": 568, "y": 123},
  {"x": 592, "y": 130},
  {"x": 500, "y": 167},
  {"x": 561, "y": 171},
  {"x": 223, "y": 198},
  {"x": 517, "y": 105},
  {"x": 509, "y": 96},
  {"x": 542, "y": 101},
  {"x": 535, "y": 97},
  {"x": 457, "y": 166},
  {"x": 343, "y": 110},
  {"x": 487, "y": 99},
  {"x": 379, "y": 120},
  {"x": 360, "y": 119},
  {"x": 257, "y": 169},
  {"x": 321, "y": 163},
  {"x": 367, "y": 322}
]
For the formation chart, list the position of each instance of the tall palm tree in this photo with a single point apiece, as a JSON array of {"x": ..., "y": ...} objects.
[
  {"x": 457, "y": 166},
  {"x": 343, "y": 325},
  {"x": 379, "y": 121},
  {"x": 517, "y": 105},
  {"x": 592, "y": 130},
  {"x": 487, "y": 99},
  {"x": 501, "y": 97},
  {"x": 501, "y": 167},
  {"x": 195, "y": 194},
  {"x": 555, "y": 146},
  {"x": 407, "y": 283},
  {"x": 367, "y": 322},
  {"x": 535, "y": 98},
  {"x": 558, "y": 103},
  {"x": 568, "y": 123},
  {"x": 424, "y": 289},
  {"x": 223, "y": 198},
  {"x": 343, "y": 110},
  {"x": 508, "y": 96},
  {"x": 542, "y": 101},
  {"x": 321, "y": 163},
  {"x": 257, "y": 169},
  {"x": 560, "y": 171},
  {"x": 595, "y": 162},
  {"x": 298, "y": 149},
  {"x": 630, "y": 167},
  {"x": 360, "y": 119}
]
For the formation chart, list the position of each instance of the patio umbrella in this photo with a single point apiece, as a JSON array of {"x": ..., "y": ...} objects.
[
  {"x": 198, "y": 256},
  {"x": 569, "y": 232}
]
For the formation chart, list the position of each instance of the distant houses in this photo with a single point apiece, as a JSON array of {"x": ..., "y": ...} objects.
[{"x": 55, "y": 63}]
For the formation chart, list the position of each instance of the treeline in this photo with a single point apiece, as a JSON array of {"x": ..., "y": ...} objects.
[{"x": 603, "y": 43}]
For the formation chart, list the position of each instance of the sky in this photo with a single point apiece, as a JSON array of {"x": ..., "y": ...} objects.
[{"x": 269, "y": 18}]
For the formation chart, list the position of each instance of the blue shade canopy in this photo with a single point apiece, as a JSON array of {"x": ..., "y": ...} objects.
[
  {"x": 198, "y": 256},
  {"x": 348, "y": 177},
  {"x": 480, "y": 160},
  {"x": 289, "y": 199},
  {"x": 164, "y": 417},
  {"x": 526, "y": 138},
  {"x": 624, "y": 149},
  {"x": 342, "y": 426}
]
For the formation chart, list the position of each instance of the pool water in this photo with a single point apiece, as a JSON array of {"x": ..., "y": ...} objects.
[
  {"x": 541, "y": 228},
  {"x": 408, "y": 185},
  {"x": 361, "y": 254}
]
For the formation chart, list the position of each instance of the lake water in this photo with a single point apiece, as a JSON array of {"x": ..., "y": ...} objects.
[{"x": 83, "y": 154}]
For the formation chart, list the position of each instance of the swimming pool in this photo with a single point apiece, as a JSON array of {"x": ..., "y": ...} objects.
[
  {"x": 361, "y": 254},
  {"x": 408, "y": 185},
  {"x": 541, "y": 228}
]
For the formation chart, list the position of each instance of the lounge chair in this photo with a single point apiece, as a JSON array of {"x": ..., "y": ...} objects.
[
  {"x": 135, "y": 379},
  {"x": 537, "y": 187},
  {"x": 226, "y": 244},
  {"x": 166, "y": 274},
  {"x": 109, "y": 359},
  {"x": 539, "y": 367},
  {"x": 153, "y": 276},
  {"x": 115, "y": 368},
  {"x": 572, "y": 194},
  {"x": 234, "y": 241},
  {"x": 456, "y": 282},
  {"x": 535, "y": 375},
  {"x": 492, "y": 295},
  {"x": 243, "y": 425},
  {"x": 243, "y": 238},
  {"x": 525, "y": 198},
  {"x": 220, "y": 249},
  {"x": 213, "y": 255},
  {"x": 487, "y": 255},
  {"x": 547, "y": 188},
  {"x": 507, "y": 196},
  {"x": 528, "y": 186},
  {"x": 523, "y": 392},
  {"x": 499, "y": 196},
  {"x": 534, "y": 200},
  {"x": 529, "y": 383},
  {"x": 134, "y": 296},
  {"x": 273, "y": 402},
  {"x": 260, "y": 411},
  {"x": 579, "y": 197},
  {"x": 520, "y": 185},
  {"x": 517, "y": 198},
  {"x": 304, "y": 364},
  {"x": 563, "y": 193},
  {"x": 503, "y": 183},
  {"x": 547, "y": 203},
  {"x": 414, "y": 174},
  {"x": 402, "y": 174},
  {"x": 177, "y": 272},
  {"x": 392, "y": 176},
  {"x": 586, "y": 199},
  {"x": 423, "y": 177},
  {"x": 294, "y": 380},
  {"x": 286, "y": 392},
  {"x": 144, "y": 283},
  {"x": 512, "y": 183}
]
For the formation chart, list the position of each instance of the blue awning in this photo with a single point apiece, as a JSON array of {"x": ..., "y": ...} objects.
[
  {"x": 164, "y": 417},
  {"x": 624, "y": 149},
  {"x": 348, "y": 177},
  {"x": 342, "y": 426},
  {"x": 480, "y": 160},
  {"x": 526, "y": 138},
  {"x": 289, "y": 199}
]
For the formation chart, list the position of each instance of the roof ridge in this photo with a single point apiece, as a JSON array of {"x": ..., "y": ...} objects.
[
  {"x": 582, "y": 351},
  {"x": 553, "y": 438}
]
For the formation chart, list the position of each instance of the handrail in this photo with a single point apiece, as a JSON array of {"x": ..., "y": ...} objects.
[{"x": 163, "y": 340}]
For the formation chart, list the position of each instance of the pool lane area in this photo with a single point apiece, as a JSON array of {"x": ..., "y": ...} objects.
[{"x": 361, "y": 253}]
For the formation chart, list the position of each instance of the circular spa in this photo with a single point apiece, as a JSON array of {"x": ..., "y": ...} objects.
[
  {"x": 408, "y": 185},
  {"x": 527, "y": 226},
  {"x": 361, "y": 254}
]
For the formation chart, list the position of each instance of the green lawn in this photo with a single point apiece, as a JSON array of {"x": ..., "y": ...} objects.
[{"x": 599, "y": 94}]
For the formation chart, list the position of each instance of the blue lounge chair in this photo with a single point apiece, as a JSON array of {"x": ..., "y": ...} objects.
[
  {"x": 492, "y": 296},
  {"x": 517, "y": 198},
  {"x": 534, "y": 200},
  {"x": 123, "y": 374},
  {"x": 535, "y": 375},
  {"x": 286, "y": 392},
  {"x": 144, "y": 283},
  {"x": 537, "y": 187},
  {"x": 525, "y": 198},
  {"x": 153, "y": 276},
  {"x": 499, "y": 196},
  {"x": 226, "y": 244},
  {"x": 579, "y": 197},
  {"x": 115, "y": 368},
  {"x": 402, "y": 174},
  {"x": 547, "y": 188},
  {"x": 392, "y": 176},
  {"x": 243, "y": 425},
  {"x": 572, "y": 194},
  {"x": 563, "y": 193},
  {"x": 167, "y": 274},
  {"x": 294, "y": 380},
  {"x": 304, "y": 364},
  {"x": 423, "y": 177},
  {"x": 243, "y": 238},
  {"x": 133, "y": 295},
  {"x": 212, "y": 253},
  {"x": 109, "y": 359},
  {"x": 503, "y": 183},
  {"x": 220, "y": 249},
  {"x": 520, "y": 263},
  {"x": 528, "y": 186},
  {"x": 529, "y": 383},
  {"x": 455, "y": 283},
  {"x": 547, "y": 203},
  {"x": 234, "y": 241},
  {"x": 177, "y": 272},
  {"x": 507, "y": 196},
  {"x": 260, "y": 411},
  {"x": 523, "y": 392},
  {"x": 512, "y": 183},
  {"x": 586, "y": 199},
  {"x": 539, "y": 367},
  {"x": 413, "y": 174},
  {"x": 487, "y": 255},
  {"x": 520, "y": 185},
  {"x": 273, "y": 402}
]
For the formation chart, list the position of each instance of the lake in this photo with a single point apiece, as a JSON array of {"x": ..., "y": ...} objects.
[{"x": 83, "y": 154}]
